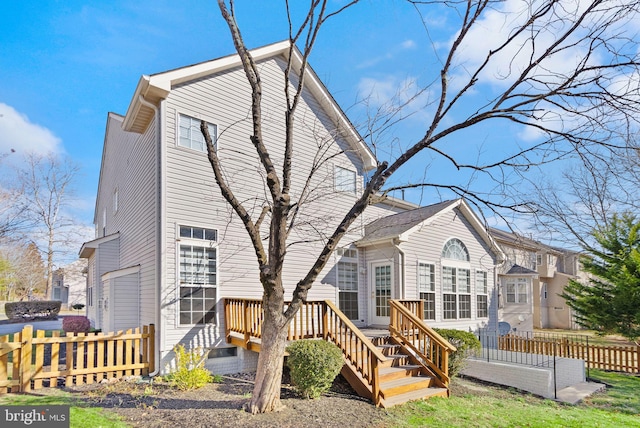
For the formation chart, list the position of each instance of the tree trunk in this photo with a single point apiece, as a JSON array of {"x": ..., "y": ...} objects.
[{"x": 266, "y": 392}]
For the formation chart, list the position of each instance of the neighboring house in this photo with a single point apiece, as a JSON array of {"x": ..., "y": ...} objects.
[
  {"x": 532, "y": 282},
  {"x": 69, "y": 284},
  {"x": 168, "y": 248}
]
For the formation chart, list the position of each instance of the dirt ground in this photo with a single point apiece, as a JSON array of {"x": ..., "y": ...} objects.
[{"x": 220, "y": 405}]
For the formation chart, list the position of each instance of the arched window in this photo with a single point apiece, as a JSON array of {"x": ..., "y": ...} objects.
[{"x": 454, "y": 249}]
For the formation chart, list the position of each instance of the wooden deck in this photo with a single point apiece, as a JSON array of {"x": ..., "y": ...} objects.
[{"x": 408, "y": 362}]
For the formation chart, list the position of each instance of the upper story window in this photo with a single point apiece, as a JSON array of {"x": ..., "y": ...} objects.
[
  {"x": 345, "y": 180},
  {"x": 454, "y": 249},
  {"x": 539, "y": 259},
  {"x": 191, "y": 136},
  {"x": 517, "y": 290}
]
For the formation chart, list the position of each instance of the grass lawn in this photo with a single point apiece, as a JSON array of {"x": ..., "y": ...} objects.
[
  {"x": 593, "y": 336},
  {"x": 80, "y": 416},
  {"x": 472, "y": 404},
  {"x": 477, "y": 405}
]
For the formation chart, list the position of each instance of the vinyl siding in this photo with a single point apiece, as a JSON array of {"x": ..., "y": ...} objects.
[
  {"x": 193, "y": 197},
  {"x": 130, "y": 165},
  {"x": 426, "y": 245}
]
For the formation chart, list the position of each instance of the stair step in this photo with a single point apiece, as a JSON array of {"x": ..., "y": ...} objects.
[
  {"x": 396, "y": 360},
  {"x": 388, "y": 349},
  {"x": 390, "y": 373},
  {"x": 405, "y": 384},
  {"x": 420, "y": 394}
]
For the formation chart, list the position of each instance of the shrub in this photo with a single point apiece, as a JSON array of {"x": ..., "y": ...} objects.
[
  {"x": 314, "y": 364},
  {"x": 76, "y": 324},
  {"x": 43, "y": 309},
  {"x": 467, "y": 345},
  {"x": 189, "y": 372}
]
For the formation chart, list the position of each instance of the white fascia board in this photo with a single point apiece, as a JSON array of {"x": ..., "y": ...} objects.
[
  {"x": 89, "y": 247},
  {"x": 120, "y": 272},
  {"x": 482, "y": 231}
]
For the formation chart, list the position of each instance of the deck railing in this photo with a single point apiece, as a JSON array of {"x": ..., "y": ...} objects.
[
  {"x": 431, "y": 349},
  {"x": 315, "y": 319}
]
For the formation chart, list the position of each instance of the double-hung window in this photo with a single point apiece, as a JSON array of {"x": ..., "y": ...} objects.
[
  {"x": 427, "y": 289},
  {"x": 482, "y": 303},
  {"x": 191, "y": 136},
  {"x": 198, "y": 275},
  {"x": 456, "y": 293},
  {"x": 347, "y": 270},
  {"x": 517, "y": 290},
  {"x": 345, "y": 180}
]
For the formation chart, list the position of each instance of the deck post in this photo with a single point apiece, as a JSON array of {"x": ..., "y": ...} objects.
[
  {"x": 25, "y": 361},
  {"x": 245, "y": 323},
  {"x": 325, "y": 321},
  {"x": 375, "y": 382}
]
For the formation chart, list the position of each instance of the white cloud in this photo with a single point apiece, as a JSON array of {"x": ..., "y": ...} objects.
[
  {"x": 390, "y": 93},
  {"x": 389, "y": 55},
  {"x": 18, "y": 133},
  {"x": 497, "y": 25},
  {"x": 408, "y": 44}
]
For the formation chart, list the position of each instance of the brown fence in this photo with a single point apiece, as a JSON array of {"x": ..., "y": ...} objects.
[
  {"x": 614, "y": 358},
  {"x": 32, "y": 361}
]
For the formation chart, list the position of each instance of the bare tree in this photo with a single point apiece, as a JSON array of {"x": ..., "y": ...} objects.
[
  {"x": 46, "y": 188},
  {"x": 588, "y": 194},
  {"x": 567, "y": 71}
]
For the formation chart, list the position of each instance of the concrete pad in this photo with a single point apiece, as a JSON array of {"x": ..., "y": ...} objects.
[{"x": 578, "y": 392}]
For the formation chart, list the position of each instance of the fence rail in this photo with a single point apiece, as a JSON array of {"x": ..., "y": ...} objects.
[
  {"x": 614, "y": 358},
  {"x": 32, "y": 361}
]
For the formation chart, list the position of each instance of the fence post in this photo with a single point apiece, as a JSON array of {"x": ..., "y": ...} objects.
[
  {"x": 555, "y": 380},
  {"x": 587, "y": 359},
  {"x": 25, "y": 362}
]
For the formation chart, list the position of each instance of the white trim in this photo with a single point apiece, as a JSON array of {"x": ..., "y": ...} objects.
[
  {"x": 203, "y": 243},
  {"x": 119, "y": 273},
  {"x": 89, "y": 247},
  {"x": 372, "y": 288},
  {"x": 157, "y": 87}
]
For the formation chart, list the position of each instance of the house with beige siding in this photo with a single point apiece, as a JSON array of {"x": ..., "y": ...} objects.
[
  {"x": 531, "y": 283},
  {"x": 168, "y": 250}
]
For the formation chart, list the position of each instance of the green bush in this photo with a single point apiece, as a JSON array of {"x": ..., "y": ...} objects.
[
  {"x": 467, "y": 345},
  {"x": 313, "y": 364},
  {"x": 189, "y": 372}
]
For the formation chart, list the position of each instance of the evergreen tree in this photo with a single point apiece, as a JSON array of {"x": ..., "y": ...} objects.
[{"x": 609, "y": 301}]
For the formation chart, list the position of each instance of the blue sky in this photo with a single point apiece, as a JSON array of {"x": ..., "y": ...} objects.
[{"x": 65, "y": 64}]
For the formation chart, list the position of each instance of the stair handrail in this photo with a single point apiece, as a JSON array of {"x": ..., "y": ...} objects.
[
  {"x": 441, "y": 368},
  {"x": 367, "y": 367}
]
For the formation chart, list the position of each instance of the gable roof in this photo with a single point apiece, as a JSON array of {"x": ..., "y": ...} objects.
[
  {"x": 400, "y": 226},
  {"x": 521, "y": 270},
  {"x": 397, "y": 225},
  {"x": 156, "y": 87}
]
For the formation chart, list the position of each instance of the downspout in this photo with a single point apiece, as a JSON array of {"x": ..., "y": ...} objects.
[
  {"x": 160, "y": 234},
  {"x": 403, "y": 291}
]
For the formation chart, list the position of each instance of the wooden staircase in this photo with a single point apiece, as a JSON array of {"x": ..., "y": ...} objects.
[
  {"x": 408, "y": 363},
  {"x": 401, "y": 379}
]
